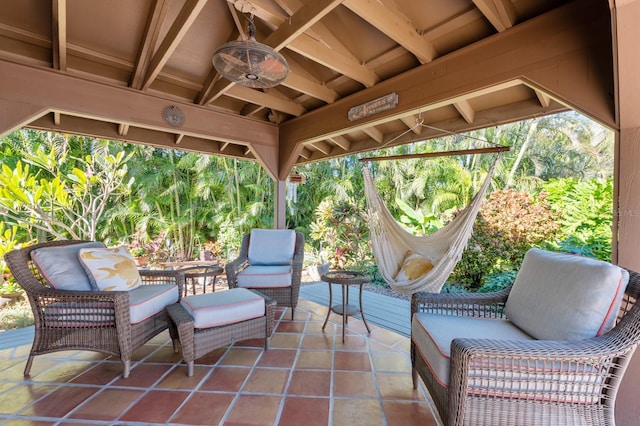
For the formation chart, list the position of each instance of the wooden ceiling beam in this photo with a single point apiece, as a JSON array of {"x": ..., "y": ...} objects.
[
  {"x": 59, "y": 36},
  {"x": 500, "y": 13},
  {"x": 303, "y": 19},
  {"x": 269, "y": 101},
  {"x": 514, "y": 112},
  {"x": 562, "y": 58},
  {"x": 332, "y": 54},
  {"x": 324, "y": 55},
  {"x": 465, "y": 109},
  {"x": 305, "y": 153},
  {"x": 342, "y": 142},
  {"x": 309, "y": 87},
  {"x": 101, "y": 129},
  {"x": 412, "y": 123},
  {"x": 41, "y": 90},
  {"x": 251, "y": 109},
  {"x": 323, "y": 147},
  {"x": 544, "y": 99},
  {"x": 396, "y": 25},
  {"x": 453, "y": 24},
  {"x": 149, "y": 41},
  {"x": 374, "y": 134},
  {"x": 123, "y": 129},
  {"x": 178, "y": 30}
]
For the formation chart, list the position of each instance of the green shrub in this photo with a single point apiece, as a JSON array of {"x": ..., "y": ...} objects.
[
  {"x": 15, "y": 314},
  {"x": 341, "y": 232},
  {"x": 509, "y": 223},
  {"x": 586, "y": 210},
  {"x": 497, "y": 282}
]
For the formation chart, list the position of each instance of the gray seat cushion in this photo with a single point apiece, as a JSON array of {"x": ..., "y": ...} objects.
[
  {"x": 147, "y": 300},
  {"x": 265, "y": 276},
  {"x": 433, "y": 334}
]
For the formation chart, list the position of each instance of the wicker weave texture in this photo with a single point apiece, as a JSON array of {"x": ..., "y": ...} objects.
[
  {"x": 85, "y": 320},
  {"x": 500, "y": 382},
  {"x": 198, "y": 342},
  {"x": 284, "y": 296}
]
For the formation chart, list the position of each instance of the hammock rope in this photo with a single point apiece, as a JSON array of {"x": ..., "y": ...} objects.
[{"x": 390, "y": 241}]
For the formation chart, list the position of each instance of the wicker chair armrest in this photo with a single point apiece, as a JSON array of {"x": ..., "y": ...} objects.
[
  {"x": 88, "y": 296},
  {"x": 485, "y": 305},
  {"x": 588, "y": 350},
  {"x": 297, "y": 262},
  {"x": 163, "y": 276},
  {"x": 233, "y": 268},
  {"x": 78, "y": 307},
  {"x": 557, "y": 372}
]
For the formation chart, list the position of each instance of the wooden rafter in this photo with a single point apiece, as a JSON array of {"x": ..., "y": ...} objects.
[
  {"x": 396, "y": 25},
  {"x": 500, "y": 13},
  {"x": 151, "y": 34},
  {"x": 178, "y": 30},
  {"x": 59, "y": 36}
]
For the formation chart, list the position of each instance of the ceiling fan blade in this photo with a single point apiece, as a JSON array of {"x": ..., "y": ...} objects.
[{"x": 232, "y": 60}]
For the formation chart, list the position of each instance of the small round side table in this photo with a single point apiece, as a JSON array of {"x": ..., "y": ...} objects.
[
  {"x": 196, "y": 274},
  {"x": 345, "y": 279}
]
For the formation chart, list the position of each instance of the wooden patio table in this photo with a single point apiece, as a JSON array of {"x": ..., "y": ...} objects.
[{"x": 194, "y": 270}]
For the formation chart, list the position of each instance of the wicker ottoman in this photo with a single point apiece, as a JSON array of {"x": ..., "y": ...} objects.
[{"x": 205, "y": 322}]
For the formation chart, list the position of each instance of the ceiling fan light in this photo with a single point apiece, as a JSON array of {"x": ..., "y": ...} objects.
[{"x": 250, "y": 64}]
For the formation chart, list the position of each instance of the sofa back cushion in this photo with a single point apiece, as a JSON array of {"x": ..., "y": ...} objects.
[
  {"x": 271, "y": 246},
  {"x": 61, "y": 267},
  {"x": 558, "y": 296}
]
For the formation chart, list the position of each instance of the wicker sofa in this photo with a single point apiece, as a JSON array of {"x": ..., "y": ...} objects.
[
  {"x": 270, "y": 261},
  {"x": 508, "y": 379},
  {"x": 91, "y": 320}
]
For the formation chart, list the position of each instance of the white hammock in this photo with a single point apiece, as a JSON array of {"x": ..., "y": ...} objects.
[{"x": 390, "y": 241}]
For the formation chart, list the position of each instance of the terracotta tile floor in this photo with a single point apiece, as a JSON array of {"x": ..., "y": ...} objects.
[{"x": 307, "y": 377}]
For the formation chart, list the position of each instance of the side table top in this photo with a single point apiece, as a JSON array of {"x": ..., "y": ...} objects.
[{"x": 345, "y": 277}]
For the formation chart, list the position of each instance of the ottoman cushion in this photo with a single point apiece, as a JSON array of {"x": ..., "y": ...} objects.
[{"x": 225, "y": 307}]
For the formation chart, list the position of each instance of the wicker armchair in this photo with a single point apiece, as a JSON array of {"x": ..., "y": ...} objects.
[
  {"x": 86, "y": 320},
  {"x": 511, "y": 382},
  {"x": 286, "y": 295}
]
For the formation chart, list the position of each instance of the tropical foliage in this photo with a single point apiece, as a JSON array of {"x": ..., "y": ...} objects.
[
  {"x": 177, "y": 203},
  {"x": 508, "y": 224}
]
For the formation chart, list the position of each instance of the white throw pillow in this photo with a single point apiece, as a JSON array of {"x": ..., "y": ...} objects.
[{"x": 112, "y": 269}]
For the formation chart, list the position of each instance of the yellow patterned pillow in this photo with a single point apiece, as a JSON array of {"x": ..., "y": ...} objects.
[
  {"x": 112, "y": 269},
  {"x": 414, "y": 266}
]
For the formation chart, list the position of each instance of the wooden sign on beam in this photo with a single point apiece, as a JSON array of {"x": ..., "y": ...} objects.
[{"x": 375, "y": 106}]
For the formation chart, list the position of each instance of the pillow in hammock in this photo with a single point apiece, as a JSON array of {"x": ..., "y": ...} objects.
[{"x": 414, "y": 266}]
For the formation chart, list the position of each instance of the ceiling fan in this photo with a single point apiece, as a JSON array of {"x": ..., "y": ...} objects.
[{"x": 250, "y": 63}]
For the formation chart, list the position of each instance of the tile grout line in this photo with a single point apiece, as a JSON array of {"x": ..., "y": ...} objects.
[
  {"x": 285, "y": 391},
  {"x": 238, "y": 394}
]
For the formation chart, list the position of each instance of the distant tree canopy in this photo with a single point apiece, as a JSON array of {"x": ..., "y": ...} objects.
[{"x": 62, "y": 186}]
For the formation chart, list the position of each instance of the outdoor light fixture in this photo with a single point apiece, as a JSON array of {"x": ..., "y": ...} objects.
[{"x": 248, "y": 62}]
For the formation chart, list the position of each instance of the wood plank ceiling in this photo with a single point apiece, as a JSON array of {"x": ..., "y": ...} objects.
[{"x": 108, "y": 68}]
